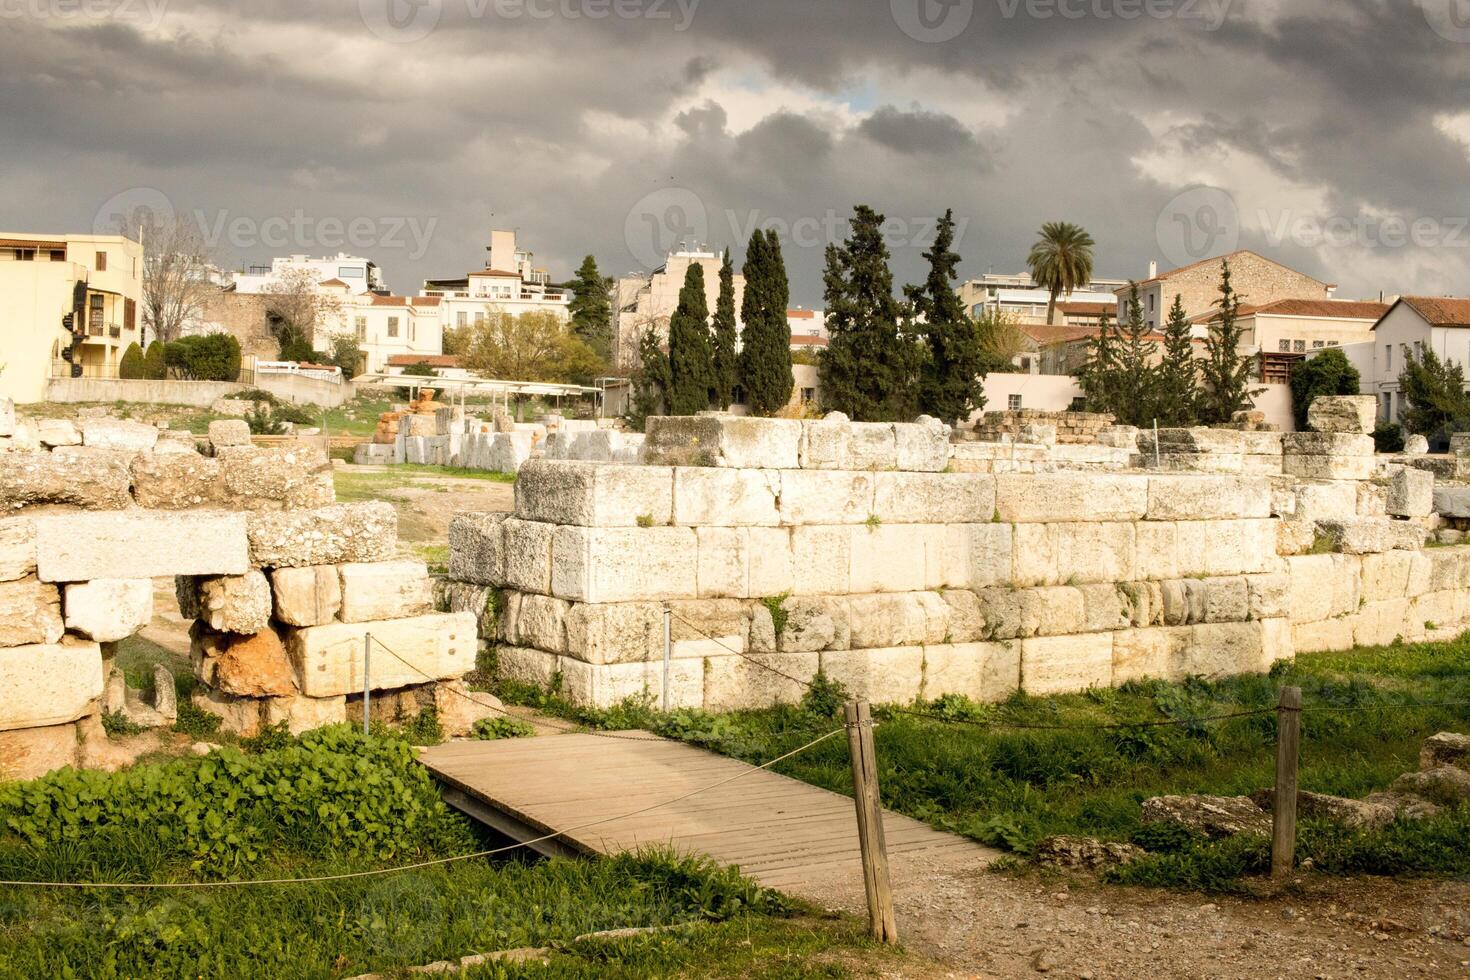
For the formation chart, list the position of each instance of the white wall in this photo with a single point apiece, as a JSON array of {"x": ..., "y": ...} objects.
[{"x": 1045, "y": 392}]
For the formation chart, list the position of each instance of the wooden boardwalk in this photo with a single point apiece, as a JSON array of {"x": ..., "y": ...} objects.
[{"x": 782, "y": 832}]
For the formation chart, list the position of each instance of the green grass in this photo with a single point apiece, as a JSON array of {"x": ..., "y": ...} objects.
[
  {"x": 358, "y": 486},
  {"x": 1010, "y": 788}
]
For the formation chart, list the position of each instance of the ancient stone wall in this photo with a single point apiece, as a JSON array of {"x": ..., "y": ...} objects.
[{"x": 1072, "y": 428}]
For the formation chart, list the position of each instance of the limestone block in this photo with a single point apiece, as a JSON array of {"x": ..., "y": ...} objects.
[
  {"x": 762, "y": 636},
  {"x": 1240, "y": 547},
  {"x": 1415, "y": 445},
  {"x": 709, "y": 627},
  {"x": 290, "y": 477},
  {"x": 1386, "y": 575},
  {"x": 467, "y": 597},
  {"x": 1450, "y": 501},
  {"x": 174, "y": 481},
  {"x": 1270, "y": 595},
  {"x": 1381, "y": 623},
  {"x": 1368, "y": 535},
  {"x": 1372, "y": 500},
  {"x": 57, "y": 432},
  {"x": 1000, "y": 611},
  {"x": 1197, "y": 498},
  {"x": 1420, "y": 573},
  {"x": 888, "y": 558},
  {"x": 934, "y": 498},
  {"x": 878, "y": 621},
  {"x": 771, "y": 570},
  {"x": 30, "y": 613},
  {"x": 17, "y": 548},
  {"x": 1411, "y": 493},
  {"x": 1276, "y": 641},
  {"x": 1053, "y": 611},
  {"x": 1156, "y": 550},
  {"x": 1295, "y": 537},
  {"x": 244, "y": 717},
  {"x": 872, "y": 446},
  {"x": 887, "y": 676},
  {"x": 108, "y": 610},
  {"x": 1448, "y": 568},
  {"x": 458, "y": 708},
  {"x": 1328, "y": 467},
  {"x": 1193, "y": 462},
  {"x": 7, "y": 418},
  {"x": 329, "y": 659},
  {"x": 1227, "y": 600},
  {"x": 594, "y": 494},
  {"x": 815, "y": 623},
  {"x": 947, "y": 555},
  {"x": 1064, "y": 664},
  {"x": 984, "y": 672},
  {"x": 224, "y": 433},
  {"x": 96, "y": 482},
  {"x": 1354, "y": 414},
  {"x": 254, "y": 665},
  {"x": 826, "y": 497},
  {"x": 824, "y": 442},
  {"x": 1196, "y": 600},
  {"x": 1322, "y": 636},
  {"x": 821, "y": 560},
  {"x": 133, "y": 437},
  {"x": 1326, "y": 444},
  {"x": 1323, "y": 586},
  {"x": 1074, "y": 553},
  {"x": 604, "y": 685},
  {"x": 541, "y": 622},
  {"x": 725, "y": 497},
  {"x": 528, "y": 555},
  {"x": 477, "y": 548},
  {"x": 302, "y": 714},
  {"x": 737, "y": 684},
  {"x": 966, "y": 621},
  {"x": 1255, "y": 443},
  {"x": 525, "y": 666},
  {"x": 724, "y": 440},
  {"x": 48, "y": 684},
  {"x": 723, "y": 560},
  {"x": 1439, "y": 608},
  {"x": 79, "y": 547},
  {"x": 622, "y": 564},
  {"x": 991, "y": 554},
  {"x": 236, "y": 603},
  {"x": 327, "y": 536},
  {"x": 1325, "y": 500},
  {"x": 1105, "y": 607},
  {"x": 922, "y": 446},
  {"x": 1198, "y": 440},
  {"x": 1046, "y": 497},
  {"x": 384, "y": 590},
  {"x": 31, "y": 753},
  {"x": 1225, "y": 649},
  {"x": 308, "y": 596},
  {"x": 1156, "y": 652}
]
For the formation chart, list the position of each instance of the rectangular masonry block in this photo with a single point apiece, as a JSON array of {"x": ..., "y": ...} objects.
[
  {"x": 726, "y": 497},
  {"x": 541, "y": 622},
  {"x": 1156, "y": 550},
  {"x": 769, "y": 561},
  {"x": 613, "y": 633},
  {"x": 17, "y": 548},
  {"x": 888, "y": 676},
  {"x": 947, "y": 555},
  {"x": 1154, "y": 652},
  {"x": 1326, "y": 444},
  {"x": 615, "y": 564},
  {"x": 992, "y": 554},
  {"x": 1198, "y": 498},
  {"x": 1386, "y": 575},
  {"x": 724, "y": 440},
  {"x": 306, "y": 596},
  {"x": 1326, "y": 635},
  {"x": 594, "y": 494},
  {"x": 934, "y": 498},
  {"x": 1074, "y": 553},
  {"x": 1323, "y": 586},
  {"x": 872, "y": 446},
  {"x": 528, "y": 555},
  {"x": 1219, "y": 650},
  {"x": 1328, "y": 467},
  {"x": 326, "y": 536},
  {"x": 724, "y": 561},
  {"x": 922, "y": 446},
  {"x": 79, "y": 547},
  {"x": 1343, "y": 413},
  {"x": 329, "y": 659},
  {"x": 984, "y": 672},
  {"x": 1065, "y": 664},
  {"x": 604, "y": 685},
  {"x": 826, "y": 497},
  {"x": 821, "y": 560},
  {"x": 48, "y": 684},
  {"x": 888, "y": 558},
  {"x": 737, "y": 683},
  {"x": 385, "y": 590},
  {"x": 30, "y": 613},
  {"x": 477, "y": 548},
  {"x": 1240, "y": 547},
  {"x": 1045, "y": 497},
  {"x": 536, "y": 667}
]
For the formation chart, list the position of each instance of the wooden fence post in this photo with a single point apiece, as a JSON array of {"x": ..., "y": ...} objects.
[
  {"x": 882, "y": 921},
  {"x": 1283, "y": 808}
]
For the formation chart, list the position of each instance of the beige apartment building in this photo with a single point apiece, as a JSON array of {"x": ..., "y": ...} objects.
[
  {"x": 97, "y": 279},
  {"x": 1255, "y": 278},
  {"x": 648, "y": 301}
]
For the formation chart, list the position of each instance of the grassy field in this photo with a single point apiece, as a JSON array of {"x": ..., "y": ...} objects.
[
  {"x": 356, "y": 486},
  {"x": 963, "y": 767}
]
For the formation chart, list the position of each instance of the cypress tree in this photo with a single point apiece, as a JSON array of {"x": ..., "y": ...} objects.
[
  {"x": 952, "y": 377},
  {"x": 726, "y": 339},
  {"x": 1135, "y": 386},
  {"x": 591, "y": 308},
  {"x": 1098, "y": 376},
  {"x": 691, "y": 362},
  {"x": 1225, "y": 373},
  {"x": 868, "y": 368},
  {"x": 765, "y": 356},
  {"x": 650, "y": 380},
  {"x": 1178, "y": 387}
]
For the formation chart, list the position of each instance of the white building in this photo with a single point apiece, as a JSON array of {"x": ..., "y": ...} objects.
[
  {"x": 1412, "y": 324},
  {"x": 1019, "y": 296},
  {"x": 357, "y": 274},
  {"x": 509, "y": 283},
  {"x": 647, "y": 300}
]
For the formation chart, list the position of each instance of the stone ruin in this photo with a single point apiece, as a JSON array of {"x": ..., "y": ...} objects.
[
  {"x": 864, "y": 551},
  {"x": 282, "y": 583},
  {"x": 1022, "y": 424}
]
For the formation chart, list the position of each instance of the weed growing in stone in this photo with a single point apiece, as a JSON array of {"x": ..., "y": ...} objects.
[{"x": 491, "y": 729}]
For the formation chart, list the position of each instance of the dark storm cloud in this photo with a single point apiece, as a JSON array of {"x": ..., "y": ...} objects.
[{"x": 917, "y": 131}]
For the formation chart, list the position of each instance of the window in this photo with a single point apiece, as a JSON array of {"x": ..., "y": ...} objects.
[
  {"x": 393, "y": 326},
  {"x": 479, "y": 319},
  {"x": 1150, "y": 302},
  {"x": 1418, "y": 349},
  {"x": 1299, "y": 346},
  {"x": 58, "y": 255},
  {"x": 24, "y": 254},
  {"x": 350, "y": 272},
  {"x": 360, "y": 325},
  {"x": 1388, "y": 359},
  {"x": 462, "y": 319},
  {"x": 808, "y": 395},
  {"x": 1284, "y": 345},
  {"x": 1388, "y": 406},
  {"x": 130, "y": 314},
  {"x": 412, "y": 330},
  {"x": 101, "y": 261},
  {"x": 1013, "y": 402},
  {"x": 1318, "y": 345}
]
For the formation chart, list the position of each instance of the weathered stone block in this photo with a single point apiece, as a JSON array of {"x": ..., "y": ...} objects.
[
  {"x": 1337, "y": 444},
  {"x": 385, "y": 590},
  {"x": 1240, "y": 547},
  {"x": 1074, "y": 553},
  {"x": 327, "y": 536},
  {"x": 1225, "y": 649},
  {"x": 48, "y": 684},
  {"x": 1052, "y": 611},
  {"x": 826, "y": 497},
  {"x": 1383, "y": 622},
  {"x": 897, "y": 620},
  {"x": 872, "y": 446},
  {"x": 1355, "y": 414},
  {"x": 133, "y": 437},
  {"x": 291, "y": 477},
  {"x": 31, "y": 753},
  {"x": 888, "y": 558},
  {"x": 526, "y": 666},
  {"x": 90, "y": 481},
  {"x": 541, "y": 622},
  {"x": 934, "y": 498},
  {"x": 224, "y": 433},
  {"x": 302, "y": 714},
  {"x": 1198, "y": 498},
  {"x": 329, "y": 659},
  {"x": 1064, "y": 664},
  {"x": 1226, "y": 600},
  {"x": 172, "y": 481},
  {"x": 723, "y": 561},
  {"x": 594, "y": 494},
  {"x": 737, "y": 683},
  {"x": 1105, "y": 607},
  {"x": 615, "y": 564},
  {"x": 528, "y": 555},
  {"x": 985, "y": 672},
  {"x": 947, "y": 555},
  {"x": 108, "y": 610},
  {"x": 1410, "y": 493},
  {"x": 1155, "y": 652},
  {"x": 1368, "y": 535},
  {"x": 254, "y": 665},
  {"x": 236, "y": 603},
  {"x": 477, "y": 548},
  {"x": 724, "y": 440},
  {"x": 30, "y": 613},
  {"x": 1328, "y": 467},
  {"x": 17, "y": 548},
  {"x": 769, "y": 559},
  {"x": 57, "y": 432},
  {"x": 79, "y": 547},
  {"x": 604, "y": 685},
  {"x": 824, "y": 442},
  {"x": 307, "y": 596},
  {"x": 1270, "y": 595},
  {"x": 923, "y": 446},
  {"x": 886, "y": 676},
  {"x": 1048, "y": 497},
  {"x": 1322, "y": 636},
  {"x": 722, "y": 497},
  {"x": 991, "y": 555},
  {"x": 244, "y": 717},
  {"x": 1323, "y": 586},
  {"x": 1386, "y": 575},
  {"x": 821, "y": 560},
  {"x": 1156, "y": 550}
]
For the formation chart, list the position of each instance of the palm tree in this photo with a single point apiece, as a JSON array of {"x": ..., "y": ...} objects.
[{"x": 1061, "y": 260}]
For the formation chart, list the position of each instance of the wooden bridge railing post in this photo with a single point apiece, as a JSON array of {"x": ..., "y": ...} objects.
[
  {"x": 882, "y": 921},
  {"x": 1283, "y": 805}
]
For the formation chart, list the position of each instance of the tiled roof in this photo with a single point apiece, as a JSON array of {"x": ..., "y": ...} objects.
[
  {"x": 800, "y": 314},
  {"x": 1341, "y": 309},
  {"x": 1087, "y": 309},
  {"x": 808, "y": 340},
  {"x": 433, "y": 360},
  {"x": 1441, "y": 311},
  {"x": 334, "y": 282},
  {"x": 496, "y": 272},
  {"x": 406, "y": 300}
]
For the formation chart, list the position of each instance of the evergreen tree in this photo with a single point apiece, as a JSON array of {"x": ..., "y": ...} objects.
[
  {"x": 1225, "y": 373},
  {"x": 1435, "y": 390},
  {"x": 1098, "y": 376},
  {"x": 726, "y": 339},
  {"x": 1178, "y": 388},
  {"x": 868, "y": 368},
  {"x": 591, "y": 308},
  {"x": 765, "y": 357},
  {"x": 155, "y": 366},
  {"x": 1136, "y": 385},
  {"x": 691, "y": 361},
  {"x": 952, "y": 376},
  {"x": 131, "y": 367},
  {"x": 650, "y": 380},
  {"x": 1328, "y": 373}
]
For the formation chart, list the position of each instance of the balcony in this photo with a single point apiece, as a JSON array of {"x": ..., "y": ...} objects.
[{"x": 104, "y": 331}]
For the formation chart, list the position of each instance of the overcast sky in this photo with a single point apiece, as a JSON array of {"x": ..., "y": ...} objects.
[{"x": 1333, "y": 135}]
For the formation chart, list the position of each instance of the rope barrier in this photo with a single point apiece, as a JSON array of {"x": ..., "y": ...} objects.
[
  {"x": 720, "y": 643},
  {"x": 1109, "y": 726}
]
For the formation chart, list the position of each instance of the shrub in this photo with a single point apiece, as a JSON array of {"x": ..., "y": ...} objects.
[
  {"x": 155, "y": 365},
  {"x": 211, "y": 357},
  {"x": 1388, "y": 437},
  {"x": 131, "y": 367},
  {"x": 420, "y": 370},
  {"x": 1328, "y": 373},
  {"x": 491, "y": 729}
]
